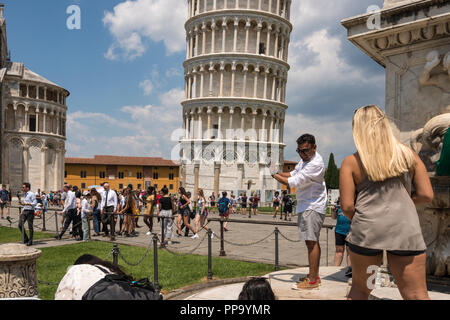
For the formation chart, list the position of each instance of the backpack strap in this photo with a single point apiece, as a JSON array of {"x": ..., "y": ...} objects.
[{"x": 102, "y": 269}]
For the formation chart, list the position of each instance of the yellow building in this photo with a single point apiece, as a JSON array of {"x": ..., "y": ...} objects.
[
  {"x": 288, "y": 167},
  {"x": 141, "y": 172}
]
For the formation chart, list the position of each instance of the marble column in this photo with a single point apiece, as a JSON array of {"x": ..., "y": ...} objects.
[
  {"x": 58, "y": 160},
  {"x": 43, "y": 167},
  {"x": 230, "y": 123},
  {"x": 204, "y": 38},
  {"x": 202, "y": 71},
  {"x": 233, "y": 78},
  {"x": 269, "y": 32},
  {"x": 196, "y": 35},
  {"x": 263, "y": 136},
  {"x": 244, "y": 87},
  {"x": 186, "y": 126},
  {"x": 194, "y": 91},
  {"x": 254, "y": 125},
  {"x": 200, "y": 125},
  {"x": 247, "y": 30},
  {"x": 216, "y": 177},
  {"x": 219, "y": 132},
  {"x": 196, "y": 178},
  {"x": 258, "y": 37},
  {"x": 255, "y": 84},
  {"x": 211, "y": 79},
  {"x": 274, "y": 82},
  {"x": 213, "y": 36},
  {"x": 224, "y": 34},
  {"x": 222, "y": 68},
  {"x": 275, "y": 51},
  {"x": 209, "y": 123},
  {"x": 266, "y": 75},
  {"x": 236, "y": 25},
  {"x": 25, "y": 154}
]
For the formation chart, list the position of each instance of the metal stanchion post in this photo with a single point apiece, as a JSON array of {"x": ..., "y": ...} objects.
[
  {"x": 222, "y": 249},
  {"x": 277, "y": 268},
  {"x": 115, "y": 252},
  {"x": 89, "y": 227},
  {"x": 210, "y": 274},
  {"x": 155, "y": 262},
  {"x": 22, "y": 224},
  {"x": 327, "y": 247},
  {"x": 162, "y": 232},
  {"x": 43, "y": 221},
  {"x": 56, "y": 222}
]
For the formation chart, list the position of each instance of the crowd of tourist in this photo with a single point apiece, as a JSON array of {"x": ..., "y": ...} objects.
[{"x": 379, "y": 187}]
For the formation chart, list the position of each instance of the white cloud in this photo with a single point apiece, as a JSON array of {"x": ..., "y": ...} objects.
[
  {"x": 136, "y": 131},
  {"x": 147, "y": 86},
  {"x": 133, "y": 21}
]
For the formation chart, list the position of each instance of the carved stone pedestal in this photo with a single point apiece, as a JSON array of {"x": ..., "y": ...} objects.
[{"x": 18, "y": 276}]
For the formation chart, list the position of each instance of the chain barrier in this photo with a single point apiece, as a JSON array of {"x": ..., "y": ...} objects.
[
  {"x": 140, "y": 261},
  {"x": 290, "y": 240},
  {"x": 245, "y": 244},
  {"x": 187, "y": 253}
]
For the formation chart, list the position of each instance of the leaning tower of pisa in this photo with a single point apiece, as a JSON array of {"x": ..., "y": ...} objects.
[{"x": 235, "y": 82}]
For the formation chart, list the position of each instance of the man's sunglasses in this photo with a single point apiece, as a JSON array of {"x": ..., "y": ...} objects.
[{"x": 304, "y": 151}]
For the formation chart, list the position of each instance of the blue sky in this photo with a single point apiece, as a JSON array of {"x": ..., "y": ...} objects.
[{"x": 124, "y": 71}]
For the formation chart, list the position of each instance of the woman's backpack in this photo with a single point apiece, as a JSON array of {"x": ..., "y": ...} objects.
[{"x": 116, "y": 287}]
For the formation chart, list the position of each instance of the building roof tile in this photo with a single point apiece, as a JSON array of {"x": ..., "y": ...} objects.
[{"x": 122, "y": 160}]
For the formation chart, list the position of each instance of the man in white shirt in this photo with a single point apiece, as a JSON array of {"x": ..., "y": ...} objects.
[
  {"x": 108, "y": 208},
  {"x": 308, "y": 178},
  {"x": 29, "y": 202},
  {"x": 69, "y": 211},
  {"x": 86, "y": 211}
]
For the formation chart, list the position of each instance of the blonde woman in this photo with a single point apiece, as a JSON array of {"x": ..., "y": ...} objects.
[{"x": 375, "y": 190}]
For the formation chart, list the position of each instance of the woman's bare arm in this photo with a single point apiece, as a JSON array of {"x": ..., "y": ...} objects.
[
  {"x": 347, "y": 186},
  {"x": 424, "y": 191}
]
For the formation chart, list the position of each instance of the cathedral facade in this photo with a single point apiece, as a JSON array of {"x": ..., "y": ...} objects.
[{"x": 33, "y": 125}]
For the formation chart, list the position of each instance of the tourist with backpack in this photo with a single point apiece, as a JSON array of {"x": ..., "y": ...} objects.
[
  {"x": 91, "y": 278},
  {"x": 224, "y": 208},
  {"x": 288, "y": 205}
]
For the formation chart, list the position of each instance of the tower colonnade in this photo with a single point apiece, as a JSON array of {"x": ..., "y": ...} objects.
[{"x": 236, "y": 73}]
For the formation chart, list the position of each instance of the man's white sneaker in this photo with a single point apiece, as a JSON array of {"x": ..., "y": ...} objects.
[
  {"x": 212, "y": 235},
  {"x": 148, "y": 233},
  {"x": 195, "y": 236}
]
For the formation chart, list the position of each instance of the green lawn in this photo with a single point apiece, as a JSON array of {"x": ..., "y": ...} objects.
[
  {"x": 174, "y": 271},
  {"x": 14, "y": 234}
]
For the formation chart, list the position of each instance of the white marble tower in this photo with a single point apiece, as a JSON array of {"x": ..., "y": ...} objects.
[{"x": 234, "y": 109}]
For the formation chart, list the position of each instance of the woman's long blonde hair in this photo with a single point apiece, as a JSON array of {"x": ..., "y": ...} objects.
[{"x": 382, "y": 155}]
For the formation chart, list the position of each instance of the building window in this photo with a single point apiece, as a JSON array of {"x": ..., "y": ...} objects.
[
  {"x": 139, "y": 186},
  {"x": 262, "y": 48},
  {"x": 139, "y": 175},
  {"x": 83, "y": 186},
  {"x": 155, "y": 175},
  {"x": 120, "y": 175},
  {"x": 32, "y": 121},
  {"x": 120, "y": 186},
  {"x": 102, "y": 175},
  {"x": 171, "y": 186},
  {"x": 65, "y": 174},
  {"x": 130, "y": 174},
  {"x": 155, "y": 186},
  {"x": 83, "y": 174},
  {"x": 171, "y": 176}
]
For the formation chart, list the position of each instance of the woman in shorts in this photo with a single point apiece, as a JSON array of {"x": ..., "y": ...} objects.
[
  {"x": 276, "y": 205},
  {"x": 186, "y": 212},
  {"x": 244, "y": 203},
  {"x": 376, "y": 185}
]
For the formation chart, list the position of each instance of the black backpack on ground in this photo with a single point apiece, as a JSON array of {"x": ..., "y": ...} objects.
[{"x": 115, "y": 287}]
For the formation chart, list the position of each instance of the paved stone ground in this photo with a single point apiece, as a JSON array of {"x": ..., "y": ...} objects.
[
  {"x": 240, "y": 234},
  {"x": 334, "y": 286}
]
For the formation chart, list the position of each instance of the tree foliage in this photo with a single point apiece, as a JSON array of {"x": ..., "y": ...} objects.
[{"x": 332, "y": 174}]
